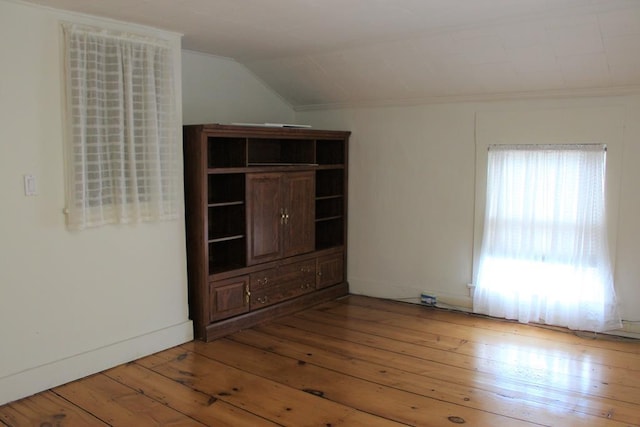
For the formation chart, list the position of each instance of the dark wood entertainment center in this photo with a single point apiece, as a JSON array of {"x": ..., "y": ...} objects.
[{"x": 266, "y": 221}]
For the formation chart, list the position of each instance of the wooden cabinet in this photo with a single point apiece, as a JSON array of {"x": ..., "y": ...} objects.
[{"x": 266, "y": 225}]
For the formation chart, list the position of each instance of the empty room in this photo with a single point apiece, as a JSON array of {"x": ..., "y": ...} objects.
[{"x": 320, "y": 212}]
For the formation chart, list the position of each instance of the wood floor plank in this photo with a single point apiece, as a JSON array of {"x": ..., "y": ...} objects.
[
  {"x": 200, "y": 406},
  {"x": 392, "y": 403},
  {"x": 564, "y": 361},
  {"x": 119, "y": 405},
  {"x": 490, "y": 336},
  {"x": 557, "y": 404},
  {"x": 274, "y": 401},
  {"x": 599, "y": 340},
  {"x": 522, "y": 359},
  {"x": 46, "y": 409}
]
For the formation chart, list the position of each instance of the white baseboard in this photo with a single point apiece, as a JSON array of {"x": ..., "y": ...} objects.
[
  {"x": 629, "y": 330},
  {"x": 410, "y": 294},
  {"x": 44, "y": 377},
  {"x": 398, "y": 292}
]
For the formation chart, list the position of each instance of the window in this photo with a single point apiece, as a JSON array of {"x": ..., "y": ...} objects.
[
  {"x": 544, "y": 255},
  {"x": 123, "y": 149}
]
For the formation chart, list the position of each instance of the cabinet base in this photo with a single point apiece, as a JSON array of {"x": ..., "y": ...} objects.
[{"x": 244, "y": 321}]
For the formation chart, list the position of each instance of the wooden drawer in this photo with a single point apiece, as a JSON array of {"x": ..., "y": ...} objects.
[
  {"x": 303, "y": 271},
  {"x": 276, "y": 294},
  {"x": 263, "y": 279},
  {"x": 330, "y": 270},
  {"x": 281, "y": 283}
]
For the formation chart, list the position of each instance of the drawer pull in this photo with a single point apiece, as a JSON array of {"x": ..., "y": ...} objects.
[
  {"x": 305, "y": 286},
  {"x": 263, "y": 300},
  {"x": 263, "y": 281}
]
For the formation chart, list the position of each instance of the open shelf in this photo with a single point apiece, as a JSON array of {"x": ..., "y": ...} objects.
[
  {"x": 214, "y": 205},
  {"x": 225, "y": 188},
  {"x": 330, "y": 207},
  {"x": 227, "y": 255},
  {"x": 225, "y": 152},
  {"x": 328, "y": 218},
  {"x": 267, "y": 151},
  {"x": 330, "y": 152},
  {"x": 227, "y": 238},
  {"x": 226, "y": 233},
  {"x": 329, "y": 182},
  {"x": 237, "y": 152},
  {"x": 329, "y": 233},
  {"x": 226, "y": 221},
  {"x": 327, "y": 207}
]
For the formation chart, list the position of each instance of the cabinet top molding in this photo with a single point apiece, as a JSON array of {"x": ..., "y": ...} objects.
[
  {"x": 273, "y": 125},
  {"x": 269, "y": 131}
]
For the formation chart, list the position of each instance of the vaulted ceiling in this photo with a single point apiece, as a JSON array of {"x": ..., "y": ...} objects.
[{"x": 345, "y": 52}]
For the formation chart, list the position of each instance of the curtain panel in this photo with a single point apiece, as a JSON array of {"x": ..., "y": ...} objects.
[
  {"x": 544, "y": 255},
  {"x": 122, "y": 130}
]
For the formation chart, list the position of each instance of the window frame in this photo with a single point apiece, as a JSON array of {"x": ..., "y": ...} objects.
[{"x": 554, "y": 125}]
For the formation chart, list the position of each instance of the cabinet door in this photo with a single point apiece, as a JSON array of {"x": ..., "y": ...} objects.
[
  {"x": 330, "y": 270},
  {"x": 299, "y": 221},
  {"x": 228, "y": 298},
  {"x": 265, "y": 207}
]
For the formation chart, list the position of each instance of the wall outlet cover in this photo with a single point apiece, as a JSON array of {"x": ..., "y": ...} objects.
[{"x": 428, "y": 299}]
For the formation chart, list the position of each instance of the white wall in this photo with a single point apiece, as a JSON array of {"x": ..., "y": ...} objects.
[
  {"x": 74, "y": 303},
  {"x": 219, "y": 90},
  {"x": 412, "y": 189}
]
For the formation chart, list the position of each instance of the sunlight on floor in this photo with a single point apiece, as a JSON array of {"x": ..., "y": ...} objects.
[{"x": 538, "y": 364}]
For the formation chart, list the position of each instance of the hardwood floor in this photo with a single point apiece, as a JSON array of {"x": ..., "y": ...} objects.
[{"x": 361, "y": 362}]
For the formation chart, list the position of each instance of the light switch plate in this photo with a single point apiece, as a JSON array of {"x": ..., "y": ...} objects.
[{"x": 29, "y": 185}]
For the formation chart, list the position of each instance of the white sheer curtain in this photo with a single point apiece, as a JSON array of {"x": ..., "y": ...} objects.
[
  {"x": 544, "y": 254},
  {"x": 123, "y": 154}
]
